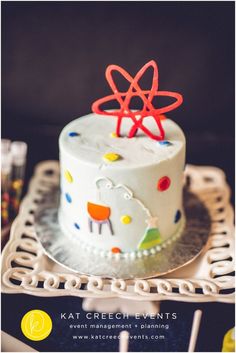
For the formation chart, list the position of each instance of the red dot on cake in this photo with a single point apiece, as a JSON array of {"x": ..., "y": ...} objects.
[
  {"x": 163, "y": 183},
  {"x": 116, "y": 250}
]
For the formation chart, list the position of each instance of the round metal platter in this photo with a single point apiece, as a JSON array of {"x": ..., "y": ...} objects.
[{"x": 57, "y": 246}]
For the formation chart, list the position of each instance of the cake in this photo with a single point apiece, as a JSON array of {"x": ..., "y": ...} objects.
[{"x": 122, "y": 174}]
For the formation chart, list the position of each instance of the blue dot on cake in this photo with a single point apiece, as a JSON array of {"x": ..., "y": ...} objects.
[
  {"x": 76, "y": 225},
  {"x": 73, "y": 134},
  {"x": 177, "y": 216},
  {"x": 165, "y": 143},
  {"x": 68, "y": 197}
]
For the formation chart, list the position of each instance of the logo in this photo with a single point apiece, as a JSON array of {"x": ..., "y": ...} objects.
[{"x": 36, "y": 325}]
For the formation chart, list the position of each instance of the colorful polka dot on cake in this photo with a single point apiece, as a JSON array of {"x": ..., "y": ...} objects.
[
  {"x": 165, "y": 143},
  {"x": 111, "y": 157},
  {"x": 116, "y": 250},
  {"x": 113, "y": 135},
  {"x": 125, "y": 219},
  {"x": 163, "y": 183},
  {"x": 177, "y": 216},
  {"x": 68, "y": 197},
  {"x": 76, "y": 226},
  {"x": 68, "y": 176},
  {"x": 73, "y": 134}
]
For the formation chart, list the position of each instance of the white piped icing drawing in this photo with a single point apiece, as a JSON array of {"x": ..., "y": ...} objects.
[{"x": 147, "y": 173}]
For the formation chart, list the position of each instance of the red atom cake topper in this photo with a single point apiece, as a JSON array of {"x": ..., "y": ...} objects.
[{"x": 146, "y": 96}]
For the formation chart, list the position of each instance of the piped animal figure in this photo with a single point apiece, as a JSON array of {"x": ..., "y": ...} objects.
[{"x": 99, "y": 214}]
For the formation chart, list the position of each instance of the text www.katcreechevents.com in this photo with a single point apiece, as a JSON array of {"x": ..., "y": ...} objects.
[{"x": 115, "y": 337}]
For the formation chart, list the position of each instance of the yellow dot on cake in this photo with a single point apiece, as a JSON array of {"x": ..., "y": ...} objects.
[
  {"x": 68, "y": 176},
  {"x": 111, "y": 157},
  {"x": 125, "y": 219},
  {"x": 113, "y": 135}
]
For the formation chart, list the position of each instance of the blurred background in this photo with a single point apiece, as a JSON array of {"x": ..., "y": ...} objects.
[{"x": 54, "y": 56}]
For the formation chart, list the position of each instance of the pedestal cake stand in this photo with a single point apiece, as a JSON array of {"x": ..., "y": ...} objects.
[{"x": 27, "y": 269}]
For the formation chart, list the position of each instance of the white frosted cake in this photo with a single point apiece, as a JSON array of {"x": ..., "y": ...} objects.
[{"x": 121, "y": 197}]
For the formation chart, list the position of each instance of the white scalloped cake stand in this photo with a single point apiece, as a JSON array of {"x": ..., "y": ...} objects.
[{"x": 26, "y": 269}]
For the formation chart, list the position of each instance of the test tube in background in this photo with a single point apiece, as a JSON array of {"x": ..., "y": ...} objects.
[
  {"x": 5, "y": 146},
  {"x": 5, "y": 180},
  {"x": 18, "y": 153}
]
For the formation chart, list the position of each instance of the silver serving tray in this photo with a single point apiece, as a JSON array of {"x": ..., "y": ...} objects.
[{"x": 185, "y": 249}]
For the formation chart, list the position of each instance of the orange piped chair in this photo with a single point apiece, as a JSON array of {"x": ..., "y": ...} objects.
[{"x": 99, "y": 214}]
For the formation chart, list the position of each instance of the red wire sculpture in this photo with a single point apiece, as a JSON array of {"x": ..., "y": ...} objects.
[{"x": 146, "y": 96}]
